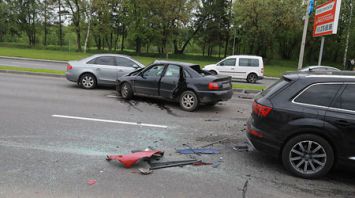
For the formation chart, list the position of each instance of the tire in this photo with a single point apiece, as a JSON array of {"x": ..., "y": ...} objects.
[
  {"x": 87, "y": 81},
  {"x": 213, "y": 72},
  {"x": 310, "y": 163},
  {"x": 126, "y": 91},
  {"x": 188, "y": 101},
  {"x": 252, "y": 78}
]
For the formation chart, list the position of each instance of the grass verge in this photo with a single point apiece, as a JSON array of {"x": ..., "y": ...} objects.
[
  {"x": 23, "y": 69},
  {"x": 274, "y": 68},
  {"x": 248, "y": 86}
]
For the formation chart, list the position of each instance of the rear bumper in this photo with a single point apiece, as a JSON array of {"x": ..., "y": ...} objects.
[
  {"x": 215, "y": 96},
  {"x": 71, "y": 77},
  {"x": 263, "y": 144}
]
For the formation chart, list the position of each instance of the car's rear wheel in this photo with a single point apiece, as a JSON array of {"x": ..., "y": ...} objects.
[
  {"x": 252, "y": 78},
  {"x": 189, "y": 101},
  {"x": 213, "y": 72},
  {"x": 308, "y": 156},
  {"x": 88, "y": 81},
  {"x": 126, "y": 91}
]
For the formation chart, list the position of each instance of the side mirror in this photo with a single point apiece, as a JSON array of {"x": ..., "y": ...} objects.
[
  {"x": 221, "y": 64},
  {"x": 135, "y": 66}
]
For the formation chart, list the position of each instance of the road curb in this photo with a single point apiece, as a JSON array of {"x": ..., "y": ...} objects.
[
  {"x": 31, "y": 59},
  {"x": 32, "y": 73}
]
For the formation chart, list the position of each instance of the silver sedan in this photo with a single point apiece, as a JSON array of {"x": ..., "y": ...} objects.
[{"x": 100, "y": 69}]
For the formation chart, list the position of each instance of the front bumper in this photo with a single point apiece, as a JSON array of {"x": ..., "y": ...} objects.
[{"x": 215, "y": 96}]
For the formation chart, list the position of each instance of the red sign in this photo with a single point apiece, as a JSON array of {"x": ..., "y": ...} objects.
[{"x": 326, "y": 18}]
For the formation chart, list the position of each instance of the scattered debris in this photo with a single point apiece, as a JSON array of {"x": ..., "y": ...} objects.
[
  {"x": 215, "y": 142},
  {"x": 217, "y": 163},
  {"x": 168, "y": 164},
  {"x": 130, "y": 159},
  {"x": 198, "y": 151},
  {"x": 192, "y": 150},
  {"x": 91, "y": 182},
  {"x": 145, "y": 171},
  {"x": 211, "y": 120},
  {"x": 243, "y": 147}
]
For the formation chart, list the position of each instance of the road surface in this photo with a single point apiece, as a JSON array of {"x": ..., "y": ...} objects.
[{"x": 54, "y": 137}]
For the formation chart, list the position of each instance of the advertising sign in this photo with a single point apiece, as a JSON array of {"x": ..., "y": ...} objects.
[{"x": 326, "y": 18}]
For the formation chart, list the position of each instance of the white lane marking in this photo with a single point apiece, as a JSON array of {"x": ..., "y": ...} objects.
[
  {"x": 111, "y": 121},
  {"x": 352, "y": 158}
]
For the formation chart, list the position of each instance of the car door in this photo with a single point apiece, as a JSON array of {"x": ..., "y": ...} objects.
[
  {"x": 106, "y": 69},
  {"x": 147, "y": 82},
  {"x": 341, "y": 114},
  {"x": 125, "y": 66},
  {"x": 227, "y": 67},
  {"x": 246, "y": 66},
  {"x": 170, "y": 80}
]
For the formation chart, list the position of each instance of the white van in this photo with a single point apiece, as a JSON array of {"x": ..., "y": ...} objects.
[{"x": 246, "y": 67}]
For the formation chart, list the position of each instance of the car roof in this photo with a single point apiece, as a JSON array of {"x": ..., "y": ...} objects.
[
  {"x": 165, "y": 62},
  {"x": 244, "y": 56},
  {"x": 322, "y": 76},
  {"x": 120, "y": 55}
]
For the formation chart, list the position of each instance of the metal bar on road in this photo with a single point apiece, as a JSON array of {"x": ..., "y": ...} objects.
[{"x": 321, "y": 51}]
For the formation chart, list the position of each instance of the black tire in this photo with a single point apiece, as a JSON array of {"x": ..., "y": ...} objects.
[
  {"x": 126, "y": 91},
  {"x": 188, "y": 101},
  {"x": 213, "y": 72},
  {"x": 87, "y": 81},
  {"x": 308, "y": 164},
  {"x": 252, "y": 78}
]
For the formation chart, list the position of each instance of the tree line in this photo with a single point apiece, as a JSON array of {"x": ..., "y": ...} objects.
[{"x": 270, "y": 28}]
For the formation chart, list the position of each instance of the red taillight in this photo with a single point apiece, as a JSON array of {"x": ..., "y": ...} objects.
[
  {"x": 213, "y": 86},
  {"x": 69, "y": 67},
  {"x": 261, "y": 110},
  {"x": 256, "y": 133}
]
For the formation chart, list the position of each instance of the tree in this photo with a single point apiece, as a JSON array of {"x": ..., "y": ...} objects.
[{"x": 76, "y": 10}]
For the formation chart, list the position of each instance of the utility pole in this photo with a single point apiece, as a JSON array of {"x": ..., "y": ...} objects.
[
  {"x": 321, "y": 51},
  {"x": 303, "y": 43}
]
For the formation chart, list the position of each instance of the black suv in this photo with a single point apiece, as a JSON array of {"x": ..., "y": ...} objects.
[{"x": 307, "y": 119}]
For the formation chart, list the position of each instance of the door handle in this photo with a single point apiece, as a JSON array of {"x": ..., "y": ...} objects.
[
  {"x": 232, "y": 68},
  {"x": 342, "y": 123},
  {"x": 120, "y": 70},
  {"x": 98, "y": 69}
]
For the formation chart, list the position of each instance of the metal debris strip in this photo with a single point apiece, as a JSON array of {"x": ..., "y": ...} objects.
[{"x": 198, "y": 151}]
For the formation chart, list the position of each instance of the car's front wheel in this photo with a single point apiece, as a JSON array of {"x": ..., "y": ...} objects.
[
  {"x": 87, "y": 81},
  {"x": 213, "y": 72},
  {"x": 189, "y": 101},
  {"x": 126, "y": 91},
  {"x": 308, "y": 156}
]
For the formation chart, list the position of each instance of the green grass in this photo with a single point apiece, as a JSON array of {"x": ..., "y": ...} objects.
[
  {"x": 248, "y": 86},
  {"x": 47, "y": 71},
  {"x": 274, "y": 68}
]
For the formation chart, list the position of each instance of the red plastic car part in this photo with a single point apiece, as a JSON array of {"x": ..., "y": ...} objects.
[{"x": 130, "y": 159}]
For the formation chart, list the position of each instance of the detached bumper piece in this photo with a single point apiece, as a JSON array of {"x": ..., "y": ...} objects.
[{"x": 130, "y": 159}]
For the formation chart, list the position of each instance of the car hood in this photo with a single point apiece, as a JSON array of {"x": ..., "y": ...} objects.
[{"x": 207, "y": 67}]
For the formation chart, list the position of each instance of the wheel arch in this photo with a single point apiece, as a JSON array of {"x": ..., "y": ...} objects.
[{"x": 87, "y": 72}]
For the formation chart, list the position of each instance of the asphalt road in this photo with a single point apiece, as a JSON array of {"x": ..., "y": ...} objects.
[
  {"x": 33, "y": 64},
  {"x": 46, "y": 153},
  {"x": 62, "y": 67}
]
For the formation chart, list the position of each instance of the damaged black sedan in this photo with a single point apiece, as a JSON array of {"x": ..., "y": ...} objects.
[{"x": 181, "y": 82}]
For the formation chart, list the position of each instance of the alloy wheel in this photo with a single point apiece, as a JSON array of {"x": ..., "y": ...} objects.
[
  {"x": 308, "y": 157},
  {"x": 87, "y": 82},
  {"x": 188, "y": 101}
]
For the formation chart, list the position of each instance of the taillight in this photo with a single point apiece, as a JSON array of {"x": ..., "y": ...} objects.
[
  {"x": 69, "y": 67},
  {"x": 261, "y": 110},
  {"x": 213, "y": 86}
]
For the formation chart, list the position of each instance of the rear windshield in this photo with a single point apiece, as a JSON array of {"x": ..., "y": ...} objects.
[
  {"x": 198, "y": 69},
  {"x": 275, "y": 87}
]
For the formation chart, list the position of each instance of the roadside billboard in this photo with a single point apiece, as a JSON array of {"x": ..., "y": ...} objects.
[{"x": 326, "y": 18}]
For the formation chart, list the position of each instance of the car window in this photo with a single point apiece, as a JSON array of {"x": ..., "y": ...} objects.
[
  {"x": 319, "y": 94},
  {"x": 92, "y": 61},
  {"x": 346, "y": 99},
  {"x": 228, "y": 62},
  {"x": 173, "y": 71},
  {"x": 121, "y": 61},
  {"x": 105, "y": 60},
  {"x": 248, "y": 62},
  {"x": 187, "y": 74},
  {"x": 154, "y": 71}
]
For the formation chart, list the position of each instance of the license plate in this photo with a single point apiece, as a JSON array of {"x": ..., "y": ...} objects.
[{"x": 226, "y": 85}]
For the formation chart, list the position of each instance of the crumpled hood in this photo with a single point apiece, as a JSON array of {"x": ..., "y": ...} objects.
[{"x": 207, "y": 67}]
